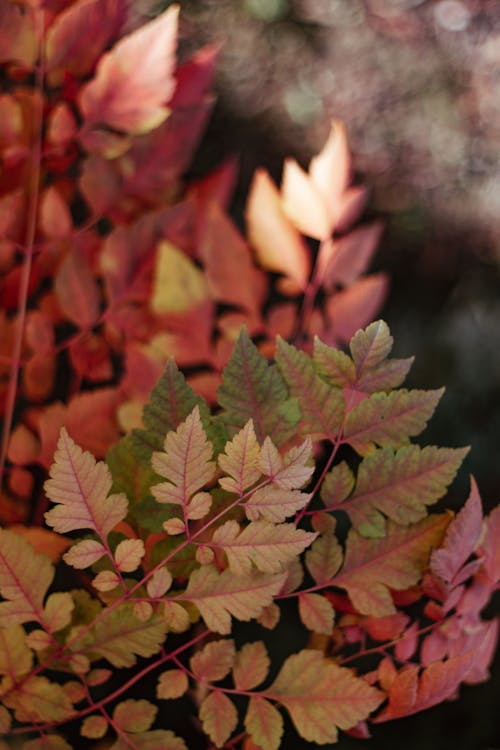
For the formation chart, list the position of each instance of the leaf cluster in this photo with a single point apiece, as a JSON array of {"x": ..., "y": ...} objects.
[
  {"x": 204, "y": 518},
  {"x": 111, "y": 262}
]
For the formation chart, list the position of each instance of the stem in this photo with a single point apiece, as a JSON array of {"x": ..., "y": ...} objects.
[{"x": 34, "y": 188}]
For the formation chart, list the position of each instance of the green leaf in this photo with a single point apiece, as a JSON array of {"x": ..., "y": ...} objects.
[
  {"x": 130, "y": 476},
  {"x": 218, "y": 716},
  {"x": 16, "y": 659},
  {"x": 170, "y": 402},
  {"x": 321, "y": 697},
  {"x": 397, "y": 561},
  {"x": 334, "y": 365},
  {"x": 369, "y": 347},
  {"x": 264, "y": 723},
  {"x": 400, "y": 485},
  {"x": 253, "y": 389},
  {"x": 388, "y": 420},
  {"x": 322, "y": 405}
]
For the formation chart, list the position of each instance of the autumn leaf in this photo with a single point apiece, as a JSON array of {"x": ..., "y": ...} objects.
[
  {"x": 134, "y": 715},
  {"x": 251, "y": 665},
  {"x": 134, "y": 80},
  {"x": 178, "y": 284},
  {"x": 316, "y": 613},
  {"x": 214, "y": 661},
  {"x": 77, "y": 291},
  {"x": 16, "y": 659},
  {"x": 172, "y": 684},
  {"x": 240, "y": 461},
  {"x": 264, "y": 723},
  {"x": 321, "y": 696},
  {"x": 220, "y": 595},
  {"x": 80, "y": 486},
  {"x": 269, "y": 547}
]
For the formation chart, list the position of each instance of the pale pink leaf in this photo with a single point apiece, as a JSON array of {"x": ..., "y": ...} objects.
[
  {"x": 128, "y": 555},
  {"x": 185, "y": 462},
  {"x": 269, "y": 547},
  {"x": 134, "y": 80},
  {"x": 57, "y": 611},
  {"x": 351, "y": 255},
  {"x": 251, "y": 665},
  {"x": 330, "y": 170},
  {"x": 461, "y": 538},
  {"x": 274, "y": 504},
  {"x": 106, "y": 580},
  {"x": 241, "y": 460},
  {"x": 84, "y": 554},
  {"x": 198, "y": 506},
  {"x": 174, "y": 526},
  {"x": 354, "y": 307},
  {"x": 24, "y": 580},
  {"x": 490, "y": 548},
  {"x": 79, "y": 486},
  {"x": 220, "y": 595},
  {"x": 214, "y": 661},
  {"x": 55, "y": 218},
  {"x": 159, "y": 583}
]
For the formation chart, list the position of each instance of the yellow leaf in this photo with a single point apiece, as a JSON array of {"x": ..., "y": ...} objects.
[{"x": 178, "y": 284}]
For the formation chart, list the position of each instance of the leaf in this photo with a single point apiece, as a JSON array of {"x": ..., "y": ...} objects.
[
  {"x": 185, "y": 462},
  {"x": 106, "y": 580},
  {"x": 334, "y": 365},
  {"x": 330, "y": 170},
  {"x": 321, "y": 697},
  {"x": 460, "y": 541},
  {"x": 170, "y": 403},
  {"x": 349, "y": 256},
  {"x": 16, "y": 659},
  {"x": 128, "y": 555},
  {"x": 389, "y": 419},
  {"x": 77, "y": 291},
  {"x": 489, "y": 547},
  {"x": 324, "y": 558},
  {"x": 159, "y": 583},
  {"x": 220, "y": 595},
  {"x": 397, "y": 561},
  {"x": 370, "y": 347},
  {"x": 5, "y": 721},
  {"x": 47, "y": 742},
  {"x": 273, "y": 504},
  {"x": 94, "y": 727},
  {"x": 84, "y": 554},
  {"x": 303, "y": 203},
  {"x": 135, "y": 715},
  {"x": 156, "y": 739},
  {"x": 214, "y": 661},
  {"x": 119, "y": 637},
  {"x": 178, "y": 284},
  {"x": 218, "y": 716},
  {"x": 264, "y": 723},
  {"x": 251, "y": 665},
  {"x": 57, "y": 611},
  {"x": 253, "y": 389},
  {"x": 24, "y": 580},
  {"x": 172, "y": 684},
  {"x": 269, "y": 547},
  {"x": 353, "y": 307},
  {"x": 291, "y": 472},
  {"x": 316, "y": 613},
  {"x": 175, "y": 616},
  {"x": 134, "y": 79},
  {"x": 80, "y": 488},
  {"x": 321, "y": 405},
  {"x": 241, "y": 461},
  {"x": 400, "y": 485},
  {"x": 277, "y": 244},
  {"x": 39, "y": 700}
]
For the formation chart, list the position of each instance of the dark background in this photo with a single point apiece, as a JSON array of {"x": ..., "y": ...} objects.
[{"x": 417, "y": 84}]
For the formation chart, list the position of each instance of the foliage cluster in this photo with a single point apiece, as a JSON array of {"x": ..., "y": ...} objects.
[
  {"x": 110, "y": 262},
  {"x": 248, "y": 489},
  {"x": 200, "y": 519}
]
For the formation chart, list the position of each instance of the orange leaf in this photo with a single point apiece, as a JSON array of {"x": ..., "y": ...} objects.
[
  {"x": 277, "y": 243},
  {"x": 303, "y": 202}
]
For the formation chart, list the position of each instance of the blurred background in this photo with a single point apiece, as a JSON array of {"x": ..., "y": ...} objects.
[{"x": 417, "y": 83}]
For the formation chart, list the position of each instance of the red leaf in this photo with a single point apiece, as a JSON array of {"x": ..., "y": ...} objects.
[
  {"x": 353, "y": 308},
  {"x": 77, "y": 291},
  {"x": 134, "y": 80},
  {"x": 91, "y": 420}
]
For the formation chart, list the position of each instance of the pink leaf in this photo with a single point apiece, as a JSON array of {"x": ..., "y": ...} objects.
[
  {"x": 77, "y": 291},
  {"x": 134, "y": 80},
  {"x": 354, "y": 307},
  {"x": 461, "y": 538}
]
